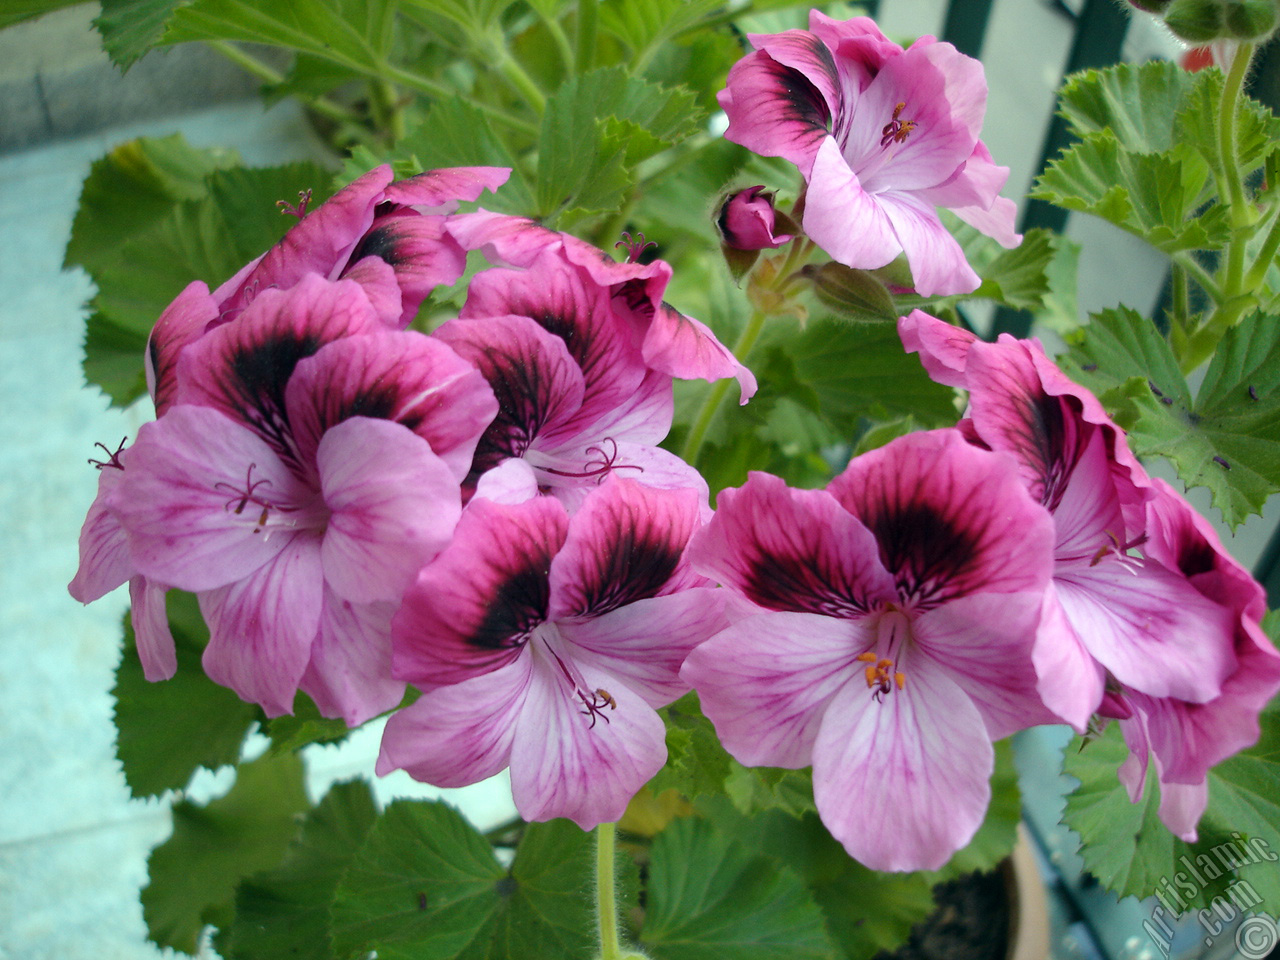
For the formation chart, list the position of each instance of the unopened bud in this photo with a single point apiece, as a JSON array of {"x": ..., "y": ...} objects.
[
  {"x": 853, "y": 294},
  {"x": 1196, "y": 21},
  {"x": 748, "y": 221},
  {"x": 1251, "y": 19}
]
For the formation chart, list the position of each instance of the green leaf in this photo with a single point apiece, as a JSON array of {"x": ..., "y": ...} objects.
[
  {"x": 426, "y": 885},
  {"x": 1127, "y": 848},
  {"x": 132, "y": 188},
  {"x": 712, "y": 898},
  {"x": 1225, "y": 439},
  {"x": 1257, "y": 128},
  {"x": 756, "y": 789},
  {"x": 1157, "y": 196},
  {"x": 1136, "y": 102},
  {"x": 130, "y": 28},
  {"x": 303, "y": 727},
  {"x": 645, "y": 25},
  {"x": 16, "y": 11},
  {"x": 349, "y": 32},
  {"x": 696, "y": 764},
  {"x": 169, "y": 729},
  {"x": 1018, "y": 278},
  {"x": 194, "y": 873},
  {"x": 283, "y": 914},
  {"x": 113, "y": 358}
]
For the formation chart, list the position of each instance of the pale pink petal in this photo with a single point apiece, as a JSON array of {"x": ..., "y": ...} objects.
[
  {"x": 1149, "y": 627},
  {"x": 349, "y": 673},
  {"x": 938, "y": 264},
  {"x": 503, "y": 240},
  {"x": 766, "y": 680},
  {"x": 151, "y": 629},
  {"x": 1071, "y": 681},
  {"x": 790, "y": 549},
  {"x": 943, "y": 348},
  {"x": 687, "y": 349},
  {"x": 572, "y": 471},
  {"x": 512, "y": 481},
  {"x": 192, "y": 495},
  {"x": 903, "y": 783},
  {"x": 472, "y": 608},
  {"x": 261, "y": 628},
  {"x": 460, "y": 734},
  {"x": 842, "y": 218},
  {"x": 1181, "y": 807},
  {"x": 645, "y": 643},
  {"x": 564, "y": 764},
  {"x": 624, "y": 544},
  {"x": 857, "y": 36},
  {"x": 395, "y": 505},
  {"x": 644, "y": 418},
  {"x": 942, "y": 511},
  {"x": 405, "y": 377},
  {"x": 975, "y": 185},
  {"x": 105, "y": 562},
  {"x": 996, "y": 221},
  {"x": 984, "y": 644}
]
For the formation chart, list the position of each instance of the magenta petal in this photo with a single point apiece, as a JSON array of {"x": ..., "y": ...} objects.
[
  {"x": 183, "y": 481},
  {"x": 445, "y": 187},
  {"x": 882, "y": 769},
  {"x": 405, "y": 377},
  {"x": 377, "y": 279},
  {"x": 183, "y": 321},
  {"x": 943, "y": 348},
  {"x": 623, "y": 545},
  {"x": 502, "y": 239},
  {"x": 687, "y": 349},
  {"x": 151, "y": 629},
  {"x": 835, "y": 202},
  {"x": 938, "y": 264},
  {"x": 766, "y": 680},
  {"x": 417, "y": 251},
  {"x": 645, "y": 643},
  {"x": 472, "y": 608},
  {"x": 261, "y": 628},
  {"x": 395, "y": 505},
  {"x": 1149, "y": 627},
  {"x": 349, "y": 673},
  {"x": 790, "y": 549},
  {"x": 942, "y": 511},
  {"x": 564, "y": 765},
  {"x": 460, "y": 734}
]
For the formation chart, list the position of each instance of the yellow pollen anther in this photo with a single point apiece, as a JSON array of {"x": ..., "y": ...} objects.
[
  {"x": 882, "y": 678},
  {"x": 872, "y": 676},
  {"x": 896, "y": 130},
  {"x": 899, "y": 680},
  {"x": 867, "y": 657}
]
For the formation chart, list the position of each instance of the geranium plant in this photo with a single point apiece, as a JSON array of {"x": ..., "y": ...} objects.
[{"x": 664, "y": 470}]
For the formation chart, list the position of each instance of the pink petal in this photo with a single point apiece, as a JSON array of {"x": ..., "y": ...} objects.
[
  {"x": 571, "y": 472},
  {"x": 1071, "y": 681},
  {"x": 512, "y": 481},
  {"x": 395, "y": 505},
  {"x": 790, "y": 549},
  {"x": 151, "y": 629},
  {"x": 421, "y": 255},
  {"x": 261, "y": 628},
  {"x": 502, "y": 239},
  {"x": 378, "y": 280},
  {"x": 942, "y": 511},
  {"x": 645, "y": 643},
  {"x": 184, "y": 321},
  {"x": 472, "y": 608},
  {"x": 943, "y": 348},
  {"x": 624, "y": 544},
  {"x": 687, "y": 349},
  {"x": 105, "y": 562},
  {"x": 1149, "y": 627},
  {"x": 409, "y": 378},
  {"x": 564, "y": 765},
  {"x": 766, "y": 681},
  {"x": 938, "y": 264},
  {"x": 835, "y": 202},
  {"x": 880, "y": 768},
  {"x": 349, "y": 673},
  {"x": 461, "y": 734},
  {"x": 441, "y": 189},
  {"x": 184, "y": 480}
]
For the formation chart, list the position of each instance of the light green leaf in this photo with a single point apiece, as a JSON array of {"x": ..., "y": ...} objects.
[
  {"x": 194, "y": 873},
  {"x": 283, "y": 914},
  {"x": 644, "y": 25},
  {"x": 755, "y": 790},
  {"x": 1136, "y": 102},
  {"x": 426, "y": 885},
  {"x": 169, "y": 729},
  {"x": 696, "y": 764},
  {"x": 712, "y": 898},
  {"x": 1257, "y": 128},
  {"x": 130, "y": 28},
  {"x": 113, "y": 359},
  {"x": 16, "y": 11},
  {"x": 1019, "y": 278}
]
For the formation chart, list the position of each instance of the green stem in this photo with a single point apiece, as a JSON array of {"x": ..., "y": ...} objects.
[
  {"x": 1257, "y": 273},
  {"x": 1187, "y": 262},
  {"x": 606, "y": 899},
  {"x": 521, "y": 80},
  {"x": 588, "y": 15},
  {"x": 430, "y": 87},
  {"x": 741, "y": 350},
  {"x": 267, "y": 74},
  {"x": 1228, "y": 107},
  {"x": 561, "y": 39}
]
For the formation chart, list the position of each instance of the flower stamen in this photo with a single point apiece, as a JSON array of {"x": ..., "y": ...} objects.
[
  {"x": 299, "y": 209},
  {"x": 635, "y": 248},
  {"x": 881, "y": 677},
  {"x": 601, "y": 468},
  {"x": 113, "y": 456},
  {"x": 243, "y": 497},
  {"x": 1120, "y": 550},
  {"x": 896, "y": 130}
]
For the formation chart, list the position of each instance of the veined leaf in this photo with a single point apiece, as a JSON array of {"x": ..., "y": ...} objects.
[
  {"x": 17, "y": 11},
  {"x": 130, "y": 28},
  {"x": 1136, "y": 102},
  {"x": 644, "y": 25},
  {"x": 1257, "y": 128}
]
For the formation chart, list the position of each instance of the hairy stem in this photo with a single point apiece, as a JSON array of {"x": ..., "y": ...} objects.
[{"x": 606, "y": 897}]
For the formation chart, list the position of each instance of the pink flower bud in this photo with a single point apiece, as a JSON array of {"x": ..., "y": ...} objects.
[{"x": 747, "y": 221}]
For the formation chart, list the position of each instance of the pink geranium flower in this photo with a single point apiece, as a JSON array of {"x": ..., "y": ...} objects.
[
  {"x": 545, "y": 643},
  {"x": 896, "y": 615},
  {"x": 882, "y": 135},
  {"x": 1111, "y": 612}
]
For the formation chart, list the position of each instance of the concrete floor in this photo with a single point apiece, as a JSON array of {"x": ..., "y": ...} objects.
[{"x": 73, "y": 846}]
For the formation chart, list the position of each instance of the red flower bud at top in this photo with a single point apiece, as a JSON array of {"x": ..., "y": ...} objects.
[{"x": 747, "y": 221}]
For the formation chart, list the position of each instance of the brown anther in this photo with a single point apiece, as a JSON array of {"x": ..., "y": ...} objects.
[
  {"x": 896, "y": 130},
  {"x": 113, "y": 456},
  {"x": 299, "y": 209}
]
